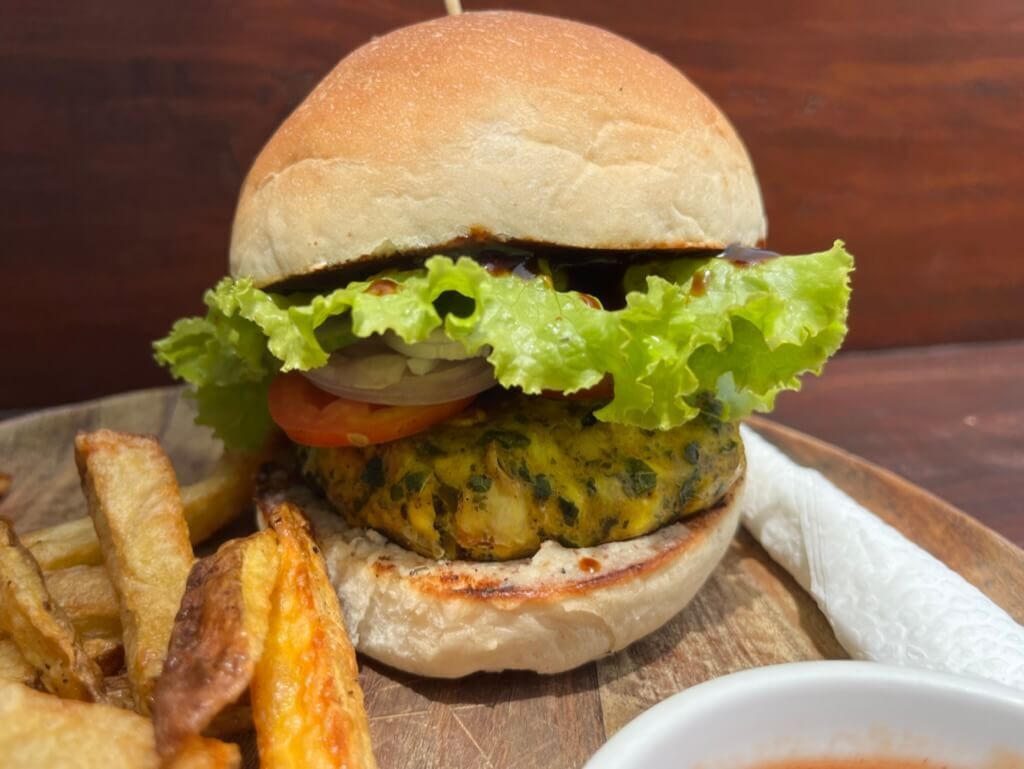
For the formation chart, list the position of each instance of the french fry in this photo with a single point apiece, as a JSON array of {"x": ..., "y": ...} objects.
[
  {"x": 209, "y": 504},
  {"x": 214, "y": 502},
  {"x": 5, "y": 485},
  {"x": 133, "y": 500},
  {"x": 72, "y": 543},
  {"x": 88, "y": 598},
  {"x": 40, "y": 730},
  {"x": 119, "y": 691},
  {"x": 218, "y": 637},
  {"x": 306, "y": 700},
  {"x": 203, "y": 753},
  {"x": 39, "y": 627},
  {"x": 13, "y": 667},
  {"x": 106, "y": 651},
  {"x": 234, "y": 720}
]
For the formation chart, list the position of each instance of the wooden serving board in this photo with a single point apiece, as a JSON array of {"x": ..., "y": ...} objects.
[{"x": 750, "y": 612}]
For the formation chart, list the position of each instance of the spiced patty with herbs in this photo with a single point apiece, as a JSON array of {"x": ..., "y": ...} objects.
[{"x": 513, "y": 471}]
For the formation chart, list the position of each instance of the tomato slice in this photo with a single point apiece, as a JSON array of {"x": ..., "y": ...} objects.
[{"x": 312, "y": 417}]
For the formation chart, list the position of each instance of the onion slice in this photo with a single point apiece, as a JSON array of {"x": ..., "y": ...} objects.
[
  {"x": 437, "y": 346},
  {"x": 350, "y": 374}
]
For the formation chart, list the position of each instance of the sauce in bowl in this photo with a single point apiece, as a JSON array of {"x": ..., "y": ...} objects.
[
  {"x": 860, "y": 762},
  {"x": 826, "y": 715}
]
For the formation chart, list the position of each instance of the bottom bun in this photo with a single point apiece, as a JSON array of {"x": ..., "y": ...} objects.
[{"x": 555, "y": 611}]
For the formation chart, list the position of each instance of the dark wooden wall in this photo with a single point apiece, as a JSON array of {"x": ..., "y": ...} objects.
[{"x": 126, "y": 127}]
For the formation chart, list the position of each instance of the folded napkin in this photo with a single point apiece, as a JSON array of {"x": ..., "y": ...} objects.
[{"x": 886, "y": 599}]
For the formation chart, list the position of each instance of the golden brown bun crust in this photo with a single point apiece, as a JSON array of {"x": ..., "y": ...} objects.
[
  {"x": 555, "y": 611},
  {"x": 496, "y": 125}
]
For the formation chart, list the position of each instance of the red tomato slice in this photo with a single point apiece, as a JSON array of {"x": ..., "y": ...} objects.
[{"x": 312, "y": 417}]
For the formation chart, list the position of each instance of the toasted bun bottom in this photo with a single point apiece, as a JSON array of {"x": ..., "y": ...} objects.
[{"x": 558, "y": 610}]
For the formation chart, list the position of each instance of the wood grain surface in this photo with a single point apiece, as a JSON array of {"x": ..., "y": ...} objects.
[
  {"x": 749, "y": 613},
  {"x": 128, "y": 127},
  {"x": 949, "y": 418}
]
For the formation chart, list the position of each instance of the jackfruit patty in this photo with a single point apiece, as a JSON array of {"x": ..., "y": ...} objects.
[{"x": 514, "y": 471}]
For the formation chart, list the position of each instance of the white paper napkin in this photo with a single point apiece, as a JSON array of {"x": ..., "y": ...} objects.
[{"x": 886, "y": 598}]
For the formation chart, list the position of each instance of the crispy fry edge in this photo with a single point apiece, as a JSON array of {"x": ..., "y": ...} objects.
[
  {"x": 217, "y": 639},
  {"x": 133, "y": 499},
  {"x": 38, "y": 626},
  {"x": 40, "y": 724},
  {"x": 308, "y": 673},
  {"x": 210, "y": 504}
]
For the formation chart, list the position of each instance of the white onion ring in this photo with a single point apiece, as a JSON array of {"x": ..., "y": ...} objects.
[
  {"x": 448, "y": 381},
  {"x": 437, "y": 346}
]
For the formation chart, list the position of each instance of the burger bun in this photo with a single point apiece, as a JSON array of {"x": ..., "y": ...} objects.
[
  {"x": 494, "y": 126},
  {"x": 558, "y": 610}
]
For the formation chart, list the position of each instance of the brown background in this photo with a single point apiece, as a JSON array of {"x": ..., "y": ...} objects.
[{"x": 126, "y": 127}]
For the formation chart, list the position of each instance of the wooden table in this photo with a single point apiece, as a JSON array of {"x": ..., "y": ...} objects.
[{"x": 948, "y": 418}]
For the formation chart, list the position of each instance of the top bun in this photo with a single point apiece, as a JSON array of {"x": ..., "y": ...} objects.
[{"x": 494, "y": 126}]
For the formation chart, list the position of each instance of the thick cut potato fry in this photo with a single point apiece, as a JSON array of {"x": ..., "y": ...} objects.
[
  {"x": 39, "y": 627},
  {"x": 106, "y": 651},
  {"x": 39, "y": 730},
  {"x": 209, "y": 504},
  {"x": 215, "y": 501},
  {"x": 119, "y": 691},
  {"x": 72, "y": 543},
  {"x": 218, "y": 637},
  {"x": 233, "y": 721},
  {"x": 88, "y": 598},
  {"x": 133, "y": 500},
  {"x": 306, "y": 700},
  {"x": 203, "y": 753},
  {"x": 13, "y": 667}
]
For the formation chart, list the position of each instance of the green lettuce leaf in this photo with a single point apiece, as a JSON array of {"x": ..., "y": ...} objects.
[{"x": 694, "y": 334}]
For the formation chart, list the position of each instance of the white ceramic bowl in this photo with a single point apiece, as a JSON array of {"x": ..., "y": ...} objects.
[{"x": 824, "y": 709}]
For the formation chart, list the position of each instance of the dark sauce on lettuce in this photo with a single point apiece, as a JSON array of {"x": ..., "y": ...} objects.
[
  {"x": 699, "y": 283},
  {"x": 596, "y": 274},
  {"x": 382, "y": 287},
  {"x": 523, "y": 266}
]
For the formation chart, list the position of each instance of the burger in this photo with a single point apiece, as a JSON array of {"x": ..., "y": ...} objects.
[{"x": 500, "y": 280}]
